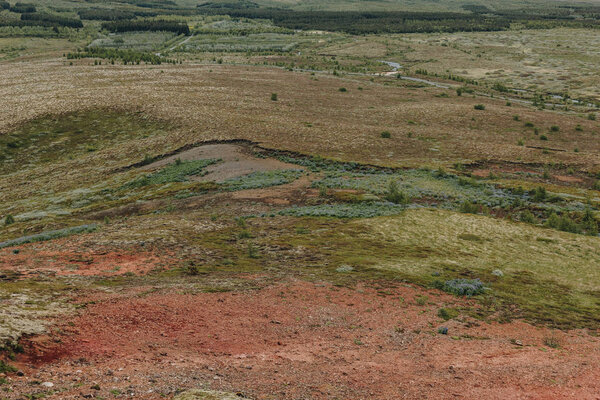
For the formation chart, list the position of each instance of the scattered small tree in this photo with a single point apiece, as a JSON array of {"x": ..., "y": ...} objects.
[
  {"x": 395, "y": 195},
  {"x": 9, "y": 220}
]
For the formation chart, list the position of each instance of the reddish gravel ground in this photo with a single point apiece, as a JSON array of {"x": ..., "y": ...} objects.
[
  {"x": 302, "y": 341},
  {"x": 63, "y": 257}
]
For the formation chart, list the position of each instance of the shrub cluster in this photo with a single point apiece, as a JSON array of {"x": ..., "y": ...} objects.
[
  {"x": 353, "y": 210},
  {"x": 179, "y": 171},
  {"x": 586, "y": 223},
  {"x": 49, "y": 235},
  {"x": 461, "y": 287},
  {"x": 262, "y": 179}
]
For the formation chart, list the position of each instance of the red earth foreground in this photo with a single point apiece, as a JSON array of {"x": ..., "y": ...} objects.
[{"x": 301, "y": 340}]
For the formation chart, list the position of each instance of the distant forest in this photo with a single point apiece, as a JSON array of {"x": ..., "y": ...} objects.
[
  {"x": 479, "y": 18},
  {"x": 126, "y": 17},
  {"x": 147, "y": 25}
]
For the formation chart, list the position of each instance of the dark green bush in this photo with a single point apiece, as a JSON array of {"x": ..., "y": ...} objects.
[
  {"x": 539, "y": 194},
  {"x": 470, "y": 208},
  {"x": 447, "y": 313},
  {"x": 563, "y": 223},
  {"x": 9, "y": 220},
  {"x": 461, "y": 287},
  {"x": 589, "y": 223},
  {"x": 394, "y": 195},
  {"x": 527, "y": 216},
  {"x": 6, "y": 368}
]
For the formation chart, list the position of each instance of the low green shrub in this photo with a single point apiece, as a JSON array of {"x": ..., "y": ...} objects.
[
  {"x": 394, "y": 195},
  {"x": 447, "y": 313},
  {"x": 527, "y": 216},
  {"x": 40, "y": 237},
  {"x": 461, "y": 287},
  {"x": 175, "y": 172},
  {"x": 349, "y": 210},
  {"x": 539, "y": 194},
  {"x": 263, "y": 179}
]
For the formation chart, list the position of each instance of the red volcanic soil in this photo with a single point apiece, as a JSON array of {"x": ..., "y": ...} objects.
[
  {"x": 302, "y": 341},
  {"x": 62, "y": 257}
]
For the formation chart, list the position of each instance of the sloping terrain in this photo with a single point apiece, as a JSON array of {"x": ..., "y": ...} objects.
[{"x": 179, "y": 230}]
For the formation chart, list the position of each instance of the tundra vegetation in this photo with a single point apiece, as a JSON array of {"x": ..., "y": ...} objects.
[{"x": 158, "y": 148}]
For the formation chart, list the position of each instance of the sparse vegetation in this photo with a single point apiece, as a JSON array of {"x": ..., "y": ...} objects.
[
  {"x": 175, "y": 172},
  {"x": 386, "y": 210},
  {"x": 263, "y": 179}
]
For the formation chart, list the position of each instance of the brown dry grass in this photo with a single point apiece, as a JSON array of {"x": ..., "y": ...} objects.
[{"x": 225, "y": 102}]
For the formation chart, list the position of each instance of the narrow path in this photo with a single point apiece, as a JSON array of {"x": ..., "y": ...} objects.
[
  {"x": 395, "y": 72},
  {"x": 180, "y": 43},
  {"x": 176, "y": 45}
]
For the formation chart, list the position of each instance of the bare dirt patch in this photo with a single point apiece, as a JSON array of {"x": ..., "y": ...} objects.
[
  {"x": 296, "y": 192},
  {"x": 65, "y": 258},
  {"x": 304, "y": 340},
  {"x": 236, "y": 160}
]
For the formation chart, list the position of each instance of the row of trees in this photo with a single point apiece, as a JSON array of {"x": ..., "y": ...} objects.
[
  {"x": 147, "y": 25},
  {"x": 369, "y": 22},
  {"x": 113, "y": 14},
  {"x": 23, "y": 8},
  {"x": 51, "y": 20},
  {"x": 126, "y": 56},
  {"x": 480, "y": 18},
  {"x": 165, "y": 4}
]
